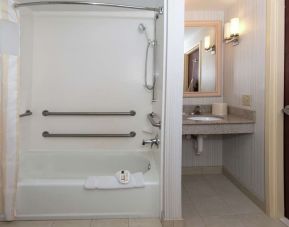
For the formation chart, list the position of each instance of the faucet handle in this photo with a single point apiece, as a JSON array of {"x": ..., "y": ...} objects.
[{"x": 155, "y": 141}]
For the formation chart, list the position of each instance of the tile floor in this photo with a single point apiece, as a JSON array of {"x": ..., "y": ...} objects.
[
  {"x": 213, "y": 201},
  {"x": 208, "y": 201},
  {"x": 87, "y": 223}
]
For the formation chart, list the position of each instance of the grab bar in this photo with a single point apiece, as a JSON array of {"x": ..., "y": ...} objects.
[
  {"x": 27, "y": 113},
  {"x": 48, "y": 113},
  {"x": 151, "y": 118},
  {"x": 47, "y": 134}
]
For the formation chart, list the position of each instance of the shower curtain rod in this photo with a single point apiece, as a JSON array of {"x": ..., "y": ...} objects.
[{"x": 18, "y": 5}]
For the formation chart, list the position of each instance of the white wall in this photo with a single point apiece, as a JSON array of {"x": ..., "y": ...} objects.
[
  {"x": 213, "y": 148},
  {"x": 79, "y": 65},
  {"x": 244, "y": 73}
]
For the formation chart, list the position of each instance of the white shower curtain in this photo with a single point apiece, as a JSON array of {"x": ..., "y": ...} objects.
[{"x": 9, "y": 71}]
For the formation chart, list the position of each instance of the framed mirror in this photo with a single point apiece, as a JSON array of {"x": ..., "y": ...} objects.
[{"x": 202, "y": 58}]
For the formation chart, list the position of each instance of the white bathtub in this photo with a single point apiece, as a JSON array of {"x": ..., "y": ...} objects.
[{"x": 51, "y": 186}]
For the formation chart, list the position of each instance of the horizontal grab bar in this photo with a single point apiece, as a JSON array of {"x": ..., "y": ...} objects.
[
  {"x": 27, "y": 113},
  {"x": 47, "y": 134},
  {"x": 48, "y": 113},
  {"x": 151, "y": 118}
]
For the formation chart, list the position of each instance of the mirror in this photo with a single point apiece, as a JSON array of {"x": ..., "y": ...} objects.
[{"x": 202, "y": 57}]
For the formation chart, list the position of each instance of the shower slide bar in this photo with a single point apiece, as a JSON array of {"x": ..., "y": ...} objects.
[
  {"x": 151, "y": 118},
  {"x": 47, "y": 134},
  {"x": 36, "y": 3},
  {"x": 48, "y": 113},
  {"x": 27, "y": 113}
]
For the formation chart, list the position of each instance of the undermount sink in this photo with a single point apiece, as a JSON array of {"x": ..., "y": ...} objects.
[{"x": 205, "y": 118}]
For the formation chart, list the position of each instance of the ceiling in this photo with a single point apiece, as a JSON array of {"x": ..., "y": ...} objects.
[{"x": 208, "y": 4}]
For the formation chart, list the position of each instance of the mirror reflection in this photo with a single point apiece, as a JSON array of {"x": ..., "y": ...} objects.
[{"x": 201, "y": 47}]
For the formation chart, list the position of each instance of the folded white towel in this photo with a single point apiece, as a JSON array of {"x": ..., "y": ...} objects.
[{"x": 111, "y": 182}]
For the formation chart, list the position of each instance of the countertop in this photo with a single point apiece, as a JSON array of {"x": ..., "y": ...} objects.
[
  {"x": 229, "y": 119},
  {"x": 238, "y": 121}
]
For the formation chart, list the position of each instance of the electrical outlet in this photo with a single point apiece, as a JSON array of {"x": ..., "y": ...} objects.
[{"x": 246, "y": 100}]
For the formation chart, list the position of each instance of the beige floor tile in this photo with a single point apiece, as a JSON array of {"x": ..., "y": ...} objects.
[
  {"x": 223, "y": 221},
  {"x": 240, "y": 204},
  {"x": 226, "y": 207},
  {"x": 144, "y": 223},
  {"x": 192, "y": 179},
  {"x": 72, "y": 223},
  {"x": 200, "y": 190},
  {"x": 189, "y": 210},
  {"x": 212, "y": 206},
  {"x": 179, "y": 223},
  {"x": 259, "y": 220},
  {"x": 110, "y": 223},
  {"x": 27, "y": 224},
  {"x": 8, "y": 224},
  {"x": 185, "y": 196},
  {"x": 221, "y": 185},
  {"x": 194, "y": 222}
]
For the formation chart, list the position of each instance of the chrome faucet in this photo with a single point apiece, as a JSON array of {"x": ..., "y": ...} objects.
[
  {"x": 197, "y": 110},
  {"x": 156, "y": 141}
]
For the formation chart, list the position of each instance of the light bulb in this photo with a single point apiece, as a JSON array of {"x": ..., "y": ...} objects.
[
  {"x": 207, "y": 42},
  {"x": 235, "y": 26},
  {"x": 227, "y": 30}
]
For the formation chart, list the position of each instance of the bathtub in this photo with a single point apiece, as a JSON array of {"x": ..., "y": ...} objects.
[{"x": 50, "y": 185}]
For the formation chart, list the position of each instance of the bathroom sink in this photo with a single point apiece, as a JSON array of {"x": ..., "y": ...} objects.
[{"x": 205, "y": 118}]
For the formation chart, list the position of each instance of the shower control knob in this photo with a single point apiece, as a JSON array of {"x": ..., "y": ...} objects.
[{"x": 156, "y": 141}]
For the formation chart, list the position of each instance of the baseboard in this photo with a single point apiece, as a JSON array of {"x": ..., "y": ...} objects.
[
  {"x": 285, "y": 221},
  {"x": 172, "y": 223},
  {"x": 199, "y": 170},
  {"x": 249, "y": 194}
]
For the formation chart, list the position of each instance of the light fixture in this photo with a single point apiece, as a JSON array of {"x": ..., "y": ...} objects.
[
  {"x": 208, "y": 47},
  {"x": 232, "y": 31}
]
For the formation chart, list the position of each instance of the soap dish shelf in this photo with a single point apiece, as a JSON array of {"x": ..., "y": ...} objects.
[{"x": 154, "y": 120}]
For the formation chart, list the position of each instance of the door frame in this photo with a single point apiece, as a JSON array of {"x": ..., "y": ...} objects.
[{"x": 274, "y": 148}]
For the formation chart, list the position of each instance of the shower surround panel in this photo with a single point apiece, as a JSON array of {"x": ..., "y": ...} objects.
[{"x": 86, "y": 61}]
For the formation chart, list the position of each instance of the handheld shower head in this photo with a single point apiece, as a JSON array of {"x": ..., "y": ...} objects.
[{"x": 143, "y": 29}]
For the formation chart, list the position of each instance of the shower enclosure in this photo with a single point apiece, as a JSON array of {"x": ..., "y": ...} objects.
[{"x": 91, "y": 75}]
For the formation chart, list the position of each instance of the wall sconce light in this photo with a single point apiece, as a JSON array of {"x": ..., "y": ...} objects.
[
  {"x": 232, "y": 32},
  {"x": 208, "y": 47}
]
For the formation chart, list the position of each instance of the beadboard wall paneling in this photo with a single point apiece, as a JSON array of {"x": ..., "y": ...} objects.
[
  {"x": 244, "y": 73},
  {"x": 212, "y": 155},
  {"x": 213, "y": 149},
  {"x": 173, "y": 110}
]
